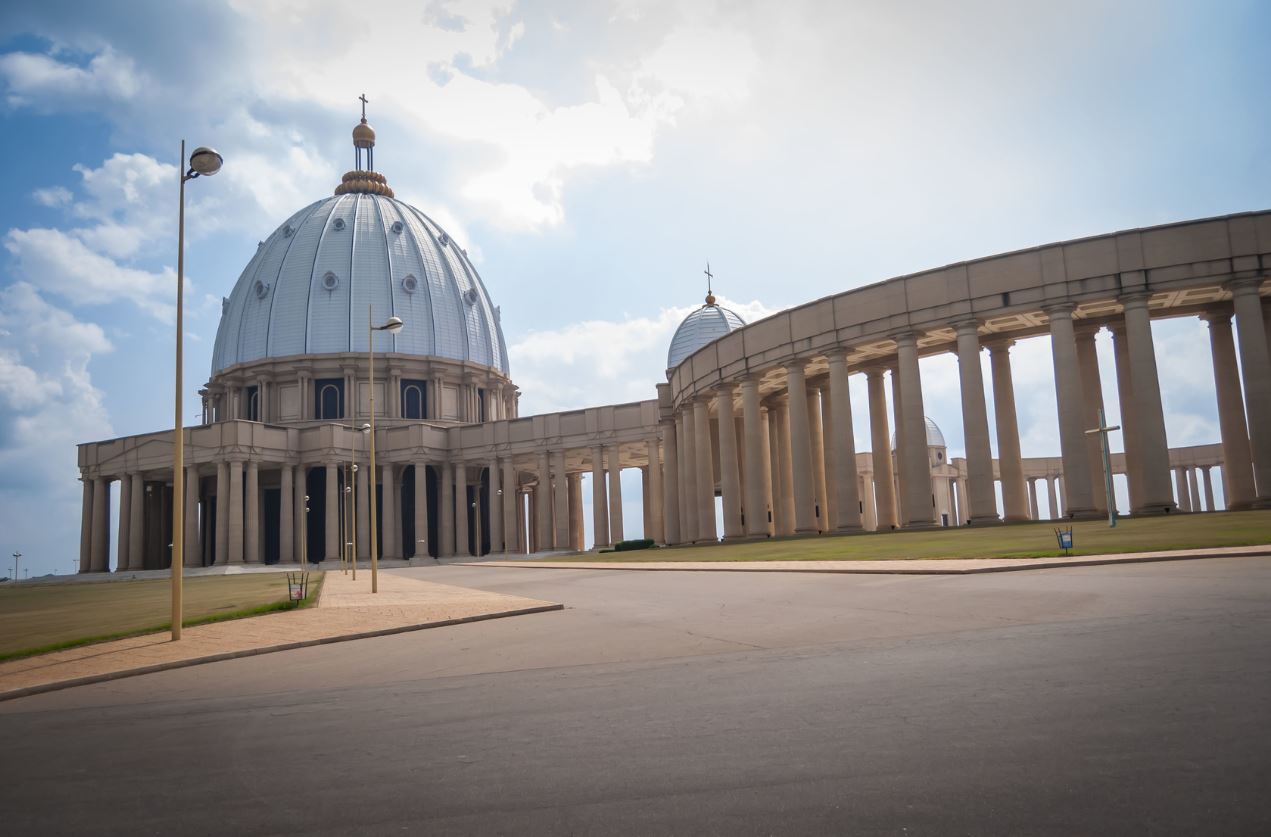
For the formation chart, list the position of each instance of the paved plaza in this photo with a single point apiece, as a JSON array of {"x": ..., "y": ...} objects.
[{"x": 1113, "y": 699}]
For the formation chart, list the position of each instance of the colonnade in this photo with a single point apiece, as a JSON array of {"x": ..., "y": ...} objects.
[{"x": 787, "y": 463}]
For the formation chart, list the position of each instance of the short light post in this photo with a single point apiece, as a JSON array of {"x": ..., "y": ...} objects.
[
  {"x": 17, "y": 556},
  {"x": 304, "y": 535},
  {"x": 392, "y": 325},
  {"x": 203, "y": 162}
]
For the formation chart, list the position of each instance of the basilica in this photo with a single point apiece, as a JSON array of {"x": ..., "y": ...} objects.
[{"x": 359, "y": 302}]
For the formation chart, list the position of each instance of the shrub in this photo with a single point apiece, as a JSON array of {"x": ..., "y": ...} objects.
[{"x": 628, "y": 546}]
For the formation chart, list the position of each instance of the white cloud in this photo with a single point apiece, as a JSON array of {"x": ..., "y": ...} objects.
[
  {"x": 53, "y": 196},
  {"x": 58, "y": 262},
  {"x": 44, "y": 82},
  {"x": 601, "y": 361}
]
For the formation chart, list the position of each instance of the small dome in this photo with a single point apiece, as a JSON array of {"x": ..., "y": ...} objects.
[
  {"x": 363, "y": 135},
  {"x": 935, "y": 439},
  {"x": 704, "y": 326}
]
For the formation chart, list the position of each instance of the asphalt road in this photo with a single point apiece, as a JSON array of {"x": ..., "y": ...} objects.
[{"x": 1109, "y": 700}]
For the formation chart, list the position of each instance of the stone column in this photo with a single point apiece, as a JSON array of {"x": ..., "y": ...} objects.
[
  {"x": 561, "y": 501},
  {"x": 420, "y": 547},
  {"x": 1033, "y": 511},
  {"x": 496, "y": 501},
  {"x": 615, "y": 495},
  {"x": 190, "y": 548},
  {"x": 125, "y": 522},
  {"x": 331, "y": 513},
  {"x": 1078, "y": 499},
  {"x": 1052, "y": 498},
  {"x": 543, "y": 504},
  {"x": 575, "y": 511},
  {"x": 980, "y": 498},
  {"x": 898, "y": 446},
  {"x": 86, "y": 526},
  {"x": 800, "y": 450},
  {"x": 223, "y": 505},
  {"x": 671, "y": 484},
  {"x": 299, "y": 541},
  {"x": 599, "y": 499},
  {"x": 1209, "y": 489},
  {"x": 511, "y": 507},
  {"x": 756, "y": 503},
  {"x": 1237, "y": 466},
  {"x": 916, "y": 468},
  {"x": 960, "y": 485},
  {"x": 765, "y": 444},
  {"x": 841, "y": 442},
  {"x": 829, "y": 502},
  {"x": 880, "y": 441},
  {"x": 869, "y": 514},
  {"x": 656, "y": 489},
  {"x": 1180, "y": 486},
  {"x": 461, "y": 509},
  {"x": 446, "y": 508},
  {"x": 1255, "y": 369},
  {"x": 816, "y": 435},
  {"x": 389, "y": 512},
  {"x": 522, "y": 521},
  {"x": 234, "y": 531},
  {"x": 729, "y": 477},
  {"x": 99, "y": 561},
  {"x": 286, "y": 519},
  {"x": 1092, "y": 403},
  {"x": 705, "y": 470},
  {"x": 1009, "y": 461},
  {"x": 364, "y": 484},
  {"x": 1149, "y": 416},
  {"x": 1193, "y": 491},
  {"x": 1129, "y": 422},
  {"x": 779, "y": 447},
  {"x": 690, "y": 526},
  {"x": 251, "y": 535}
]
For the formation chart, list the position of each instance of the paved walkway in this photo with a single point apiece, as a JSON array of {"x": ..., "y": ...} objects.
[
  {"x": 346, "y": 610},
  {"x": 909, "y": 566}
]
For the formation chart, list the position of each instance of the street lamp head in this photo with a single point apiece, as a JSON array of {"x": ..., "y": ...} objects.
[
  {"x": 205, "y": 161},
  {"x": 392, "y": 325}
]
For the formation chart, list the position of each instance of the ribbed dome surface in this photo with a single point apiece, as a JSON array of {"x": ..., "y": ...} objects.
[
  {"x": 705, "y": 325},
  {"x": 307, "y": 289},
  {"x": 935, "y": 438}
]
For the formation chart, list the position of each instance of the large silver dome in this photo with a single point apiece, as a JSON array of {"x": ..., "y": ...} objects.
[
  {"x": 705, "y": 325},
  {"x": 307, "y": 288}
]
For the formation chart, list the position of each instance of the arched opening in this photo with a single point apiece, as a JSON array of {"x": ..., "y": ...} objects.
[
  {"x": 413, "y": 402},
  {"x": 330, "y": 399}
]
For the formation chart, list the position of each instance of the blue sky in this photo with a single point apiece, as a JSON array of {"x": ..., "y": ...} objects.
[{"x": 592, "y": 156}]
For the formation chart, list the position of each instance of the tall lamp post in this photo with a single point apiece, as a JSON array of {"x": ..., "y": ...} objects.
[
  {"x": 17, "y": 556},
  {"x": 203, "y": 162},
  {"x": 392, "y": 325}
]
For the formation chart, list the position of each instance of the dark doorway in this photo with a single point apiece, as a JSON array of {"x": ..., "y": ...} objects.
[
  {"x": 315, "y": 530},
  {"x": 272, "y": 505}
]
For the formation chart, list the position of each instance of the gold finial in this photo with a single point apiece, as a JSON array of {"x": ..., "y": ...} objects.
[
  {"x": 364, "y": 181},
  {"x": 710, "y": 297}
]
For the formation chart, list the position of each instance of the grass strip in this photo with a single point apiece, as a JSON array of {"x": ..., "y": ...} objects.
[{"x": 315, "y": 588}]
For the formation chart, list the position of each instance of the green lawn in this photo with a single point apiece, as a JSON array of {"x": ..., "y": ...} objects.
[
  {"x": 37, "y": 618},
  {"x": 1024, "y": 540}
]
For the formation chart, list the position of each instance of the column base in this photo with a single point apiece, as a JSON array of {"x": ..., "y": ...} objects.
[
  {"x": 922, "y": 524},
  {"x": 987, "y": 520},
  {"x": 1261, "y": 504},
  {"x": 847, "y": 530},
  {"x": 1018, "y": 519}
]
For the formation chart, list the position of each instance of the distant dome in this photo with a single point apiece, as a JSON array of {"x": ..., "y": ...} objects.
[
  {"x": 307, "y": 289},
  {"x": 935, "y": 439},
  {"x": 700, "y": 328}
]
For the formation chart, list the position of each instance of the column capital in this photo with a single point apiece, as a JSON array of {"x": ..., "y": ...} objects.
[
  {"x": 1217, "y": 315},
  {"x": 1134, "y": 299},
  {"x": 998, "y": 344},
  {"x": 966, "y": 325},
  {"x": 904, "y": 337},
  {"x": 837, "y": 354},
  {"x": 1086, "y": 330},
  {"x": 1244, "y": 285},
  {"x": 1061, "y": 308}
]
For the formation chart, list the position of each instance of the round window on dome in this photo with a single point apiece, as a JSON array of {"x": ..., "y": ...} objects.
[
  {"x": 397, "y": 227},
  {"x": 330, "y": 281},
  {"x": 444, "y": 240},
  {"x": 470, "y": 296},
  {"x": 410, "y": 284},
  {"x": 338, "y": 224},
  {"x": 261, "y": 289},
  {"x": 287, "y": 231}
]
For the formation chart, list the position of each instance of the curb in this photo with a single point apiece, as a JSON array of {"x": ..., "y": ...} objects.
[
  {"x": 669, "y": 566},
  {"x": 267, "y": 649}
]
